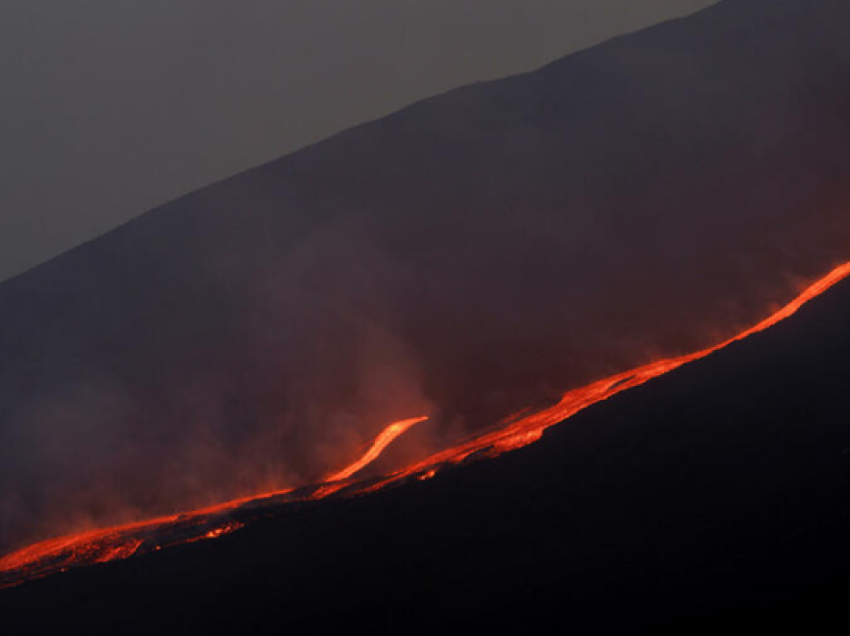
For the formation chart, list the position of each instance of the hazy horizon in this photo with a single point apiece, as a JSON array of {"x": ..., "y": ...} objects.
[{"x": 113, "y": 109}]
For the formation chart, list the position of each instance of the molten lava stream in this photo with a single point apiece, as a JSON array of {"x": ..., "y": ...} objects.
[
  {"x": 120, "y": 542},
  {"x": 123, "y": 541},
  {"x": 525, "y": 429},
  {"x": 386, "y": 438}
]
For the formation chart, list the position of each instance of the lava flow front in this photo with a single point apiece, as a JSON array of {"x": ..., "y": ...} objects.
[{"x": 119, "y": 542}]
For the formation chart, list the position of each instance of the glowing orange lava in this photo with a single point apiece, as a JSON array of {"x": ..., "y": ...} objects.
[
  {"x": 123, "y": 541},
  {"x": 383, "y": 440},
  {"x": 119, "y": 542}
]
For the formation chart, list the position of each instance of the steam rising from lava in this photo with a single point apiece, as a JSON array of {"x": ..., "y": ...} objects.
[{"x": 122, "y": 542}]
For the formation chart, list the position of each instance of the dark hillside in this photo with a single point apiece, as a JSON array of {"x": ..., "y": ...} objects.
[
  {"x": 715, "y": 497},
  {"x": 479, "y": 252}
]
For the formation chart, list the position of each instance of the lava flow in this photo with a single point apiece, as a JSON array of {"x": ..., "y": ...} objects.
[
  {"x": 384, "y": 439},
  {"x": 123, "y": 541},
  {"x": 119, "y": 542}
]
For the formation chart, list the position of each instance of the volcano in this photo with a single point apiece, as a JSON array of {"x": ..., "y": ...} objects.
[
  {"x": 470, "y": 256},
  {"x": 483, "y": 257}
]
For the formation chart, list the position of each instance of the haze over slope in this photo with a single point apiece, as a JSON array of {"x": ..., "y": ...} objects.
[
  {"x": 713, "y": 495},
  {"x": 473, "y": 254}
]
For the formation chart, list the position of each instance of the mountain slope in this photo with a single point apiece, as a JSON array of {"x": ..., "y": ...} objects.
[
  {"x": 715, "y": 496},
  {"x": 477, "y": 253}
]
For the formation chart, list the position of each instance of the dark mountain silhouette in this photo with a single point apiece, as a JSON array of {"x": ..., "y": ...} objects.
[
  {"x": 473, "y": 254},
  {"x": 712, "y": 498}
]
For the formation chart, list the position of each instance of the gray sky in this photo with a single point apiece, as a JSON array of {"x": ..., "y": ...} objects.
[{"x": 109, "y": 108}]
